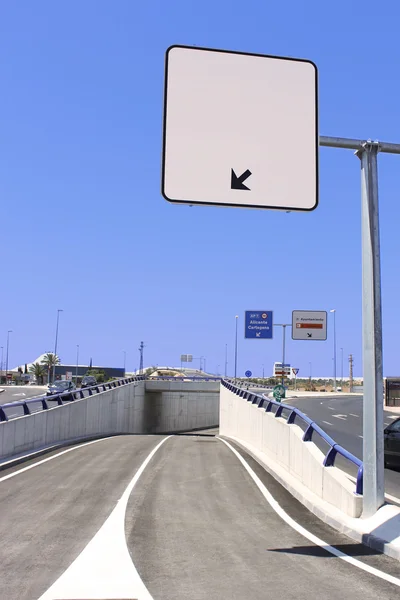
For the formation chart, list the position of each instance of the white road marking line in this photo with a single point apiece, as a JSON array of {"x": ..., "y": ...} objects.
[
  {"x": 360, "y": 436},
  {"x": 327, "y": 423},
  {"x": 393, "y": 416},
  {"x": 388, "y": 496},
  {"x": 104, "y": 568},
  {"x": 40, "y": 462},
  {"x": 331, "y": 408},
  {"x": 304, "y": 532},
  {"x": 343, "y": 417},
  {"x": 353, "y": 415},
  {"x": 21, "y": 394}
]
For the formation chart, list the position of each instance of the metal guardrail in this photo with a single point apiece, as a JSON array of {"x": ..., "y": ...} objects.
[
  {"x": 334, "y": 448},
  {"x": 64, "y": 398},
  {"x": 183, "y": 378}
]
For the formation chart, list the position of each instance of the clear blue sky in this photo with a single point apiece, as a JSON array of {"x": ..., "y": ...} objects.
[{"x": 83, "y": 224}]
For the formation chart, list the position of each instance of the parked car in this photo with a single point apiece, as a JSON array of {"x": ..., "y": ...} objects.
[
  {"x": 88, "y": 381},
  {"x": 59, "y": 387},
  {"x": 392, "y": 444}
]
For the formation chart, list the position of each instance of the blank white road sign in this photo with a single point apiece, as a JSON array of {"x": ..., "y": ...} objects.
[
  {"x": 240, "y": 130},
  {"x": 309, "y": 325}
]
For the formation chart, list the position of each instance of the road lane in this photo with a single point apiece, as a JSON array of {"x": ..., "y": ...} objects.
[
  {"x": 15, "y": 393},
  {"x": 50, "y": 512},
  {"x": 342, "y": 418},
  {"x": 197, "y": 527}
]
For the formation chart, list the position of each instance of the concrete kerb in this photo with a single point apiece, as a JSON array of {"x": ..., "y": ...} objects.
[{"x": 380, "y": 532}]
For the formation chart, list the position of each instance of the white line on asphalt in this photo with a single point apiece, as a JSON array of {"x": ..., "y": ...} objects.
[
  {"x": 388, "y": 496},
  {"x": 360, "y": 436},
  {"x": 343, "y": 417},
  {"x": 304, "y": 532},
  {"x": 353, "y": 415},
  {"x": 40, "y": 462},
  {"x": 104, "y": 568},
  {"x": 327, "y": 423}
]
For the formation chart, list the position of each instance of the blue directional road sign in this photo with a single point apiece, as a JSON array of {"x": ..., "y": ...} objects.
[
  {"x": 258, "y": 324},
  {"x": 248, "y": 373}
]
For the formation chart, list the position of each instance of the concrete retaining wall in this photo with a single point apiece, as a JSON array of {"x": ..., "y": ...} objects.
[
  {"x": 280, "y": 444},
  {"x": 139, "y": 407},
  {"x": 119, "y": 410}
]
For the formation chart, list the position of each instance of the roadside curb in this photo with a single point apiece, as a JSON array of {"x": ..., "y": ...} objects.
[{"x": 365, "y": 531}]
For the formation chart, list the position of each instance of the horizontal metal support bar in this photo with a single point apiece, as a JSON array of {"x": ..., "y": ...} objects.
[{"x": 352, "y": 144}]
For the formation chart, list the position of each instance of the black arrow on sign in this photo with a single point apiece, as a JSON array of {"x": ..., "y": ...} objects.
[
  {"x": 237, "y": 182},
  {"x": 309, "y": 334}
]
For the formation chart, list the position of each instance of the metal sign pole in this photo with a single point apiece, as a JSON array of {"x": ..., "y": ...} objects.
[
  {"x": 283, "y": 353},
  {"x": 367, "y": 151},
  {"x": 374, "y": 484}
]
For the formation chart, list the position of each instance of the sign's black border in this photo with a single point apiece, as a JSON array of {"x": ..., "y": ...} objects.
[
  {"x": 208, "y": 203},
  {"x": 310, "y": 339}
]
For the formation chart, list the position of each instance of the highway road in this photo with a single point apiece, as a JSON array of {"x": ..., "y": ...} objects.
[
  {"x": 15, "y": 393},
  {"x": 183, "y": 517},
  {"x": 341, "y": 417}
]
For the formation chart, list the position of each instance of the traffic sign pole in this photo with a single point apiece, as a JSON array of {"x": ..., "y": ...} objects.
[
  {"x": 283, "y": 325},
  {"x": 373, "y": 451},
  {"x": 367, "y": 151}
]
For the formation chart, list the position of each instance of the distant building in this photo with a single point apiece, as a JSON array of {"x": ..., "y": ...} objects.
[{"x": 71, "y": 371}]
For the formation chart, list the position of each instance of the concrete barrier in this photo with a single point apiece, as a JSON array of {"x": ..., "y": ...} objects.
[
  {"x": 138, "y": 407},
  {"x": 279, "y": 446}
]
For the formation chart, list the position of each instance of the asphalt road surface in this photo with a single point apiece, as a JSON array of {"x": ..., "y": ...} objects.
[
  {"x": 195, "y": 522},
  {"x": 15, "y": 393},
  {"x": 341, "y": 417}
]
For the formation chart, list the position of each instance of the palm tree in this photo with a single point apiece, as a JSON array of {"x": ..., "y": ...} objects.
[
  {"x": 50, "y": 360},
  {"x": 38, "y": 371}
]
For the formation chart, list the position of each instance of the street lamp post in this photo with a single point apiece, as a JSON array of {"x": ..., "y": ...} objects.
[
  {"x": 77, "y": 362},
  {"x": 334, "y": 347},
  {"x": 124, "y": 352},
  {"x": 2, "y": 348},
  {"x": 263, "y": 371},
  {"x": 226, "y": 360},
  {"x": 8, "y": 344},
  {"x": 236, "y": 342},
  {"x": 310, "y": 365},
  {"x": 55, "y": 344},
  {"x": 341, "y": 352}
]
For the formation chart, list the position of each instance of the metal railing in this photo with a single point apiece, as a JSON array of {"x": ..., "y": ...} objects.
[
  {"x": 334, "y": 448},
  {"x": 63, "y": 398},
  {"x": 183, "y": 378}
]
